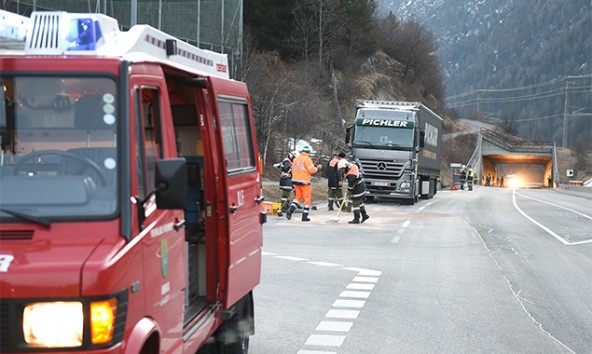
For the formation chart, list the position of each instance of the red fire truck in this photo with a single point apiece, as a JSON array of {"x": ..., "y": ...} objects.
[{"x": 130, "y": 191}]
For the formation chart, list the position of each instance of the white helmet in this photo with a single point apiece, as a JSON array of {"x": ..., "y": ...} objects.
[
  {"x": 306, "y": 148},
  {"x": 343, "y": 163}
]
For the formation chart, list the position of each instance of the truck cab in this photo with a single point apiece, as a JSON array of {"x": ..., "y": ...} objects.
[
  {"x": 129, "y": 193},
  {"x": 388, "y": 141}
]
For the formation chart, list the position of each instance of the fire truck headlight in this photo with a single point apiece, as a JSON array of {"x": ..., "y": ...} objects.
[
  {"x": 405, "y": 185},
  {"x": 102, "y": 320},
  {"x": 53, "y": 324}
]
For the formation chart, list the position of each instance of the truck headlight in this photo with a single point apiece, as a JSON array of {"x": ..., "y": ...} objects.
[
  {"x": 405, "y": 185},
  {"x": 60, "y": 324},
  {"x": 53, "y": 324}
]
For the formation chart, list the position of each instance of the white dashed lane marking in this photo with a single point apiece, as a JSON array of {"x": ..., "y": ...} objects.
[
  {"x": 347, "y": 308},
  {"x": 334, "y": 326}
]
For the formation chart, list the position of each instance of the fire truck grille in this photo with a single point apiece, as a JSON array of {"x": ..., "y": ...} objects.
[
  {"x": 13, "y": 235},
  {"x": 381, "y": 169}
]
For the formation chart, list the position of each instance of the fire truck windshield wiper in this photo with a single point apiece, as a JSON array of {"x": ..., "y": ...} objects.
[{"x": 26, "y": 217}]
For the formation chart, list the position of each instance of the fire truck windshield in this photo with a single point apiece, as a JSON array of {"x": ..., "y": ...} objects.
[{"x": 58, "y": 158}]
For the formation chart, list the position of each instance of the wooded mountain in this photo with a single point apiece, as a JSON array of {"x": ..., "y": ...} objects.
[{"x": 531, "y": 59}]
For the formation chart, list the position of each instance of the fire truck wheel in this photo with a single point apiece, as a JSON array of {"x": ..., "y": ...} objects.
[{"x": 232, "y": 338}]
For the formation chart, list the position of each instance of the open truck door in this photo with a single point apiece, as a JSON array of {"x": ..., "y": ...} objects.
[{"x": 242, "y": 182}]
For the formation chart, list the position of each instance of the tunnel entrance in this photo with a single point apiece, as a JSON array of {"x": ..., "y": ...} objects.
[
  {"x": 527, "y": 170},
  {"x": 527, "y": 165}
]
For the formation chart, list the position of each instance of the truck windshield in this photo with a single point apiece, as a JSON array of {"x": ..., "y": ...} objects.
[
  {"x": 383, "y": 136},
  {"x": 58, "y": 158}
]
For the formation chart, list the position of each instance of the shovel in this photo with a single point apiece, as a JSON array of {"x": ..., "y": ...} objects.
[{"x": 336, "y": 217}]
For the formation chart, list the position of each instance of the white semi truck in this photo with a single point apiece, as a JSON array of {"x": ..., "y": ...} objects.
[{"x": 398, "y": 147}]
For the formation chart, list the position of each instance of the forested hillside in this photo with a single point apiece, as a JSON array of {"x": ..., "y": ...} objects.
[
  {"x": 307, "y": 61},
  {"x": 526, "y": 64}
]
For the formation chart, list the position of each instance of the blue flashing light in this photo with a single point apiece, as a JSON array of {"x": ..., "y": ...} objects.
[{"x": 83, "y": 34}]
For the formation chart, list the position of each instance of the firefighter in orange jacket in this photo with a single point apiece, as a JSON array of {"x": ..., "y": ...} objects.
[
  {"x": 356, "y": 189},
  {"x": 302, "y": 170}
]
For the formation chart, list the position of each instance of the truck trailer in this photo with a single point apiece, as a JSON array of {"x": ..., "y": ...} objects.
[{"x": 398, "y": 148}]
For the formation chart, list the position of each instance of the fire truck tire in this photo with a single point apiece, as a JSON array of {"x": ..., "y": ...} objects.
[{"x": 233, "y": 337}]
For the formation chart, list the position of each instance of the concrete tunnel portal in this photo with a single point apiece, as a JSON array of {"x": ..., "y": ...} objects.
[{"x": 531, "y": 165}]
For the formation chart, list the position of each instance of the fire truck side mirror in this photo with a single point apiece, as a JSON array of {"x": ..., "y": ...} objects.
[{"x": 171, "y": 184}]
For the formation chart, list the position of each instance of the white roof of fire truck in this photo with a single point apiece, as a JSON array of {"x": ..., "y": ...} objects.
[{"x": 91, "y": 34}]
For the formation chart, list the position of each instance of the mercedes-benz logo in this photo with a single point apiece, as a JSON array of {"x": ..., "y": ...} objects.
[{"x": 381, "y": 165}]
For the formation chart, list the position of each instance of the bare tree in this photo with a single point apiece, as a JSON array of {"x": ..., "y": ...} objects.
[
  {"x": 326, "y": 14},
  {"x": 509, "y": 125},
  {"x": 359, "y": 35},
  {"x": 414, "y": 46},
  {"x": 304, "y": 34},
  {"x": 277, "y": 96}
]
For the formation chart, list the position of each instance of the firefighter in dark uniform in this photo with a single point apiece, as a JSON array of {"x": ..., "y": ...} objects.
[
  {"x": 285, "y": 181},
  {"x": 356, "y": 189},
  {"x": 334, "y": 182}
]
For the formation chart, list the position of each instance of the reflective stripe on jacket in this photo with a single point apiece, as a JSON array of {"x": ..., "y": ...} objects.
[
  {"x": 355, "y": 181},
  {"x": 302, "y": 169}
]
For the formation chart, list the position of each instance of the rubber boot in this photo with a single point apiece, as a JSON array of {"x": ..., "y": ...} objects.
[
  {"x": 365, "y": 215},
  {"x": 305, "y": 213},
  {"x": 356, "y": 219},
  {"x": 290, "y": 211},
  {"x": 349, "y": 207},
  {"x": 330, "y": 205}
]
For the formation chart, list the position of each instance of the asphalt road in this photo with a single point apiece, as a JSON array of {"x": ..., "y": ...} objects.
[{"x": 488, "y": 271}]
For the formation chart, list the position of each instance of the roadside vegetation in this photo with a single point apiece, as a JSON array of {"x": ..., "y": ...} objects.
[{"x": 307, "y": 61}]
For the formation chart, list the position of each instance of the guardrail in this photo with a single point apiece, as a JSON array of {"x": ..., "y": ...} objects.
[
  {"x": 514, "y": 145},
  {"x": 575, "y": 188}
]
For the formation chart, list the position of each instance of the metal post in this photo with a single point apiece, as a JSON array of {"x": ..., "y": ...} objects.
[
  {"x": 197, "y": 39},
  {"x": 160, "y": 15},
  {"x": 240, "y": 43},
  {"x": 133, "y": 13},
  {"x": 565, "y": 109},
  {"x": 222, "y": 27}
]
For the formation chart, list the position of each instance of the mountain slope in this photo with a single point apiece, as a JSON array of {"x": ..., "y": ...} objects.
[{"x": 506, "y": 44}]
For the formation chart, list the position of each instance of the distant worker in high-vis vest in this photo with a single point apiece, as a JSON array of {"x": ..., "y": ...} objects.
[{"x": 302, "y": 170}]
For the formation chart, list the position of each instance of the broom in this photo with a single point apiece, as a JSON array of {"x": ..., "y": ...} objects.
[
  {"x": 336, "y": 217},
  {"x": 288, "y": 201}
]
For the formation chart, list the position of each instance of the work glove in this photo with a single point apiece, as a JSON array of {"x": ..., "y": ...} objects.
[
  {"x": 319, "y": 167},
  {"x": 277, "y": 165}
]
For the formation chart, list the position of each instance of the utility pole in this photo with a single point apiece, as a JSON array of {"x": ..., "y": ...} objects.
[
  {"x": 565, "y": 114},
  {"x": 320, "y": 34}
]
